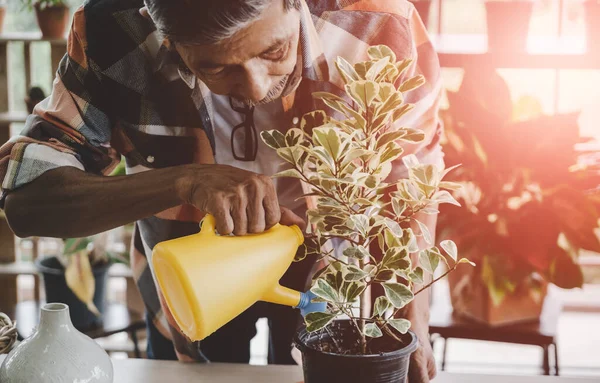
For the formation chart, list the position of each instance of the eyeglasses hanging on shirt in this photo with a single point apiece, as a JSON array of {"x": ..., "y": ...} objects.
[{"x": 244, "y": 139}]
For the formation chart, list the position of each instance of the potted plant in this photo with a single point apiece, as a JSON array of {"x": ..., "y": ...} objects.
[
  {"x": 52, "y": 16},
  {"x": 508, "y": 24},
  {"x": 423, "y": 7},
  {"x": 77, "y": 277},
  {"x": 344, "y": 163},
  {"x": 531, "y": 204},
  {"x": 592, "y": 19}
]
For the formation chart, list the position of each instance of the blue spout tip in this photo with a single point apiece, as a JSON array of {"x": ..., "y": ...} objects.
[{"x": 306, "y": 305}]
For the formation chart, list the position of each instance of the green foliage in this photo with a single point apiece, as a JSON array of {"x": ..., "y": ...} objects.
[{"x": 346, "y": 164}]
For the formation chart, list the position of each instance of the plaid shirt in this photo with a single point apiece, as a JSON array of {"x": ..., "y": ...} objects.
[{"x": 120, "y": 90}]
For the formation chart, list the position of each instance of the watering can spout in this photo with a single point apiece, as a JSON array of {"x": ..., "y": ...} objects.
[{"x": 207, "y": 279}]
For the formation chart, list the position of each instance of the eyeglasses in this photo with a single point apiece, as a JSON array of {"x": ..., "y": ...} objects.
[{"x": 244, "y": 139}]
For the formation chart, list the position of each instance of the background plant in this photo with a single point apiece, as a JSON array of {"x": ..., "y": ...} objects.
[
  {"x": 345, "y": 162},
  {"x": 532, "y": 201}
]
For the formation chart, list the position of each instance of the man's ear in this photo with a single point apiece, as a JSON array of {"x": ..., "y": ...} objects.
[{"x": 144, "y": 12}]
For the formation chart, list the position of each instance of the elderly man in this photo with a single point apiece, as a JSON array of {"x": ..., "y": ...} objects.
[{"x": 182, "y": 89}]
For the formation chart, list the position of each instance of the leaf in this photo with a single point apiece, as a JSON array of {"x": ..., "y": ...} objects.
[
  {"x": 413, "y": 135},
  {"x": 443, "y": 196},
  {"x": 401, "y": 111},
  {"x": 376, "y": 68},
  {"x": 363, "y": 92},
  {"x": 301, "y": 253},
  {"x": 425, "y": 232},
  {"x": 402, "y": 66},
  {"x": 382, "y": 304},
  {"x": 393, "y": 226},
  {"x": 323, "y": 155},
  {"x": 392, "y": 103},
  {"x": 313, "y": 119},
  {"x": 385, "y": 91},
  {"x": 398, "y": 294},
  {"x": 391, "y": 152},
  {"x": 410, "y": 161},
  {"x": 450, "y": 248},
  {"x": 385, "y": 275},
  {"x": 353, "y": 273},
  {"x": 373, "y": 331},
  {"x": 327, "y": 96},
  {"x": 357, "y": 252},
  {"x": 354, "y": 290},
  {"x": 401, "y": 325},
  {"x": 398, "y": 206},
  {"x": 329, "y": 139},
  {"x": 346, "y": 70},
  {"x": 293, "y": 173},
  {"x": 75, "y": 245},
  {"x": 360, "y": 223},
  {"x": 412, "y": 83},
  {"x": 80, "y": 279},
  {"x": 417, "y": 275},
  {"x": 465, "y": 260},
  {"x": 294, "y": 136},
  {"x": 273, "y": 139},
  {"x": 392, "y": 136},
  {"x": 362, "y": 68},
  {"x": 316, "y": 321},
  {"x": 378, "y": 52},
  {"x": 429, "y": 260},
  {"x": 324, "y": 290},
  {"x": 454, "y": 186}
]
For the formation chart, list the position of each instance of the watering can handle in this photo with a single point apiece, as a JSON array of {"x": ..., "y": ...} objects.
[{"x": 208, "y": 224}]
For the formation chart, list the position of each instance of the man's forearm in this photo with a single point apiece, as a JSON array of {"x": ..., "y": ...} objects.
[{"x": 68, "y": 202}]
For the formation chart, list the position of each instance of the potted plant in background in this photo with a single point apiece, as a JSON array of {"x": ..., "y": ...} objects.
[
  {"x": 344, "y": 164},
  {"x": 530, "y": 206},
  {"x": 592, "y": 21},
  {"x": 77, "y": 277},
  {"x": 2, "y": 14},
  {"x": 508, "y": 24},
  {"x": 52, "y": 16}
]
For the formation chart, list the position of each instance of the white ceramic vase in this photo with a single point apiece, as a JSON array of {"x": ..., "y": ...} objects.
[{"x": 57, "y": 353}]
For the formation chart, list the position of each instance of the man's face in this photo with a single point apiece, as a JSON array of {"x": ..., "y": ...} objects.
[{"x": 253, "y": 65}]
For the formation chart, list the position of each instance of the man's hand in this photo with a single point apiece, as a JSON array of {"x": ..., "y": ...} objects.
[
  {"x": 422, "y": 363},
  {"x": 241, "y": 201}
]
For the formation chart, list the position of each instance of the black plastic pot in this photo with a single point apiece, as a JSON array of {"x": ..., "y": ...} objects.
[
  {"x": 327, "y": 367},
  {"x": 57, "y": 290}
]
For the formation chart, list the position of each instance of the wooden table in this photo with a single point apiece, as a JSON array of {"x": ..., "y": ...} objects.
[{"x": 141, "y": 370}]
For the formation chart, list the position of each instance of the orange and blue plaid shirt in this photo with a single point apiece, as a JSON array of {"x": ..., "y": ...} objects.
[{"x": 121, "y": 91}]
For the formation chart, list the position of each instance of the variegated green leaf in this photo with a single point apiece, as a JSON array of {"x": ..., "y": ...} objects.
[
  {"x": 425, "y": 232},
  {"x": 357, "y": 252},
  {"x": 401, "y": 325},
  {"x": 346, "y": 71},
  {"x": 373, "y": 331},
  {"x": 318, "y": 320},
  {"x": 398, "y": 294},
  {"x": 429, "y": 260},
  {"x": 450, "y": 248},
  {"x": 325, "y": 290},
  {"x": 289, "y": 173},
  {"x": 353, "y": 273},
  {"x": 363, "y": 92},
  {"x": 273, "y": 138},
  {"x": 382, "y": 305},
  {"x": 417, "y": 275},
  {"x": 412, "y": 83},
  {"x": 378, "y": 52}
]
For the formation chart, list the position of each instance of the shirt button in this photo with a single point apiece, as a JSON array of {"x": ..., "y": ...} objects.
[
  {"x": 295, "y": 120},
  {"x": 150, "y": 159}
]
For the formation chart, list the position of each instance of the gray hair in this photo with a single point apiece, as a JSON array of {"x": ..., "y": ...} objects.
[{"x": 206, "y": 21}]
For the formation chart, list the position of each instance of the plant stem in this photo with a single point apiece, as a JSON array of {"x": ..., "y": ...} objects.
[
  {"x": 435, "y": 280},
  {"x": 364, "y": 301}
]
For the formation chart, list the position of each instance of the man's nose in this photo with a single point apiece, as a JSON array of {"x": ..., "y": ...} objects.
[{"x": 255, "y": 82}]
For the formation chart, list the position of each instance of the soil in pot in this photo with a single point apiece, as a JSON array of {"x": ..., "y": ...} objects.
[
  {"x": 334, "y": 355},
  {"x": 57, "y": 290},
  {"x": 53, "y": 20},
  {"x": 508, "y": 24}
]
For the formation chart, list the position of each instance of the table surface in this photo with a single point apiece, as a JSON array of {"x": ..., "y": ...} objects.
[{"x": 149, "y": 371}]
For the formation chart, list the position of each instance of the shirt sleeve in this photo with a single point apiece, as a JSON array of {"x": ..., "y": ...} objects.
[{"x": 72, "y": 127}]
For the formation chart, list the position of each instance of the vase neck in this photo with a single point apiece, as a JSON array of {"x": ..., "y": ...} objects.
[{"x": 55, "y": 316}]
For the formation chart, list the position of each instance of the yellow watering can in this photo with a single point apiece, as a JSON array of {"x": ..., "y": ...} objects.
[{"x": 207, "y": 279}]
